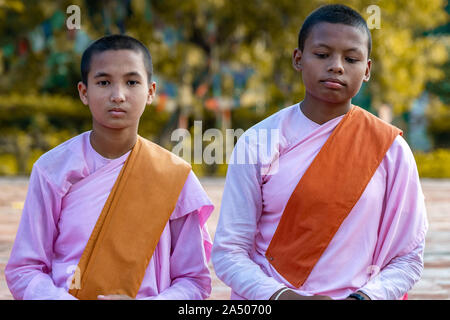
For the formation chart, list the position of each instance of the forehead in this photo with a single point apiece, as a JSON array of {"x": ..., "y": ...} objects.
[
  {"x": 117, "y": 62},
  {"x": 337, "y": 35}
]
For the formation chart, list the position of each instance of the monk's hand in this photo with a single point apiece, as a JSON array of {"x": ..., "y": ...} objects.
[
  {"x": 292, "y": 295},
  {"x": 114, "y": 297}
]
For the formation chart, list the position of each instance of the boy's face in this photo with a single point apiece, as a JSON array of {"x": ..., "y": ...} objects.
[
  {"x": 334, "y": 62},
  {"x": 117, "y": 90}
]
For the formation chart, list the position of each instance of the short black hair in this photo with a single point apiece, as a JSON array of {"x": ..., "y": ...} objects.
[
  {"x": 115, "y": 42},
  {"x": 333, "y": 13}
]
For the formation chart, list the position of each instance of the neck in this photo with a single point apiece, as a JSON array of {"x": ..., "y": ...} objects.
[
  {"x": 112, "y": 143},
  {"x": 321, "y": 111}
]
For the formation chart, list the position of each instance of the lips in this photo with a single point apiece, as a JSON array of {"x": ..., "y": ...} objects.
[
  {"x": 116, "y": 112},
  {"x": 117, "y": 109},
  {"x": 333, "y": 83}
]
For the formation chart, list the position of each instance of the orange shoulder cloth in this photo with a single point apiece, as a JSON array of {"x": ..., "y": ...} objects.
[
  {"x": 327, "y": 192},
  {"x": 131, "y": 222}
]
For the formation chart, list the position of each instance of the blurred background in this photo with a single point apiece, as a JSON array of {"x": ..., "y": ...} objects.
[{"x": 224, "y": 62}]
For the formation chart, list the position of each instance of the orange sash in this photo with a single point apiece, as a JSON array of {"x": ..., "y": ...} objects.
[
  {"x": 327, "y": 192},
  {"x": 131, "y": 222}
]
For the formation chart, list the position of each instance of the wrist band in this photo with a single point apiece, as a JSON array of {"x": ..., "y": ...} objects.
[
  {"x": 357, "y": 296},
  {"x": 279, "y": 293}
]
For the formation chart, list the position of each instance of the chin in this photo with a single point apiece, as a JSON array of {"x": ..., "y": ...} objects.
[
  {"x": 336, "y": 101},
  {"x": 113, "y": 126},
  {"x": 333, "y": 100}
]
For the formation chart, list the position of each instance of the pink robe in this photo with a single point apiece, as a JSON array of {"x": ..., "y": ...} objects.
[
  {"x": 67, "y": 190},
  {"x": 378, "y": 249}
]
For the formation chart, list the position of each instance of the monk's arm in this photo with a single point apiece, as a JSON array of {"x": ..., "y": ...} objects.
[
  {"x": 191, "y": 279},
  {"x": 237, "y": 228},
  {"x": 398, "y": 261},
  {"x": 28, "y": 270},
  {"x": 397, "y": 277}
]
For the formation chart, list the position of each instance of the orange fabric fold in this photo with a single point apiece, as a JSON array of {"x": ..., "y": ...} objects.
[
  {"x": 131, "y": 222},
  {"x": 327, "y": 192}
]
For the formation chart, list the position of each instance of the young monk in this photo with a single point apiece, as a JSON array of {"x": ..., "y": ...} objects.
[
  {"x": 336, "y": 211},
  {"x": 109, "y": 214}
]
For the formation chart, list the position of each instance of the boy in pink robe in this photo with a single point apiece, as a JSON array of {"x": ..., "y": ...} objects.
[
  {"x": 377, "y": 252},
  {"x": 70, "y": 184}
]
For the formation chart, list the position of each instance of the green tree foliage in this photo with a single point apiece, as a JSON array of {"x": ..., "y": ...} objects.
[
  {"x": 435, "y": 164},
  {"x": 226, "y": 62},
  {"x": 438, "y": 112}
]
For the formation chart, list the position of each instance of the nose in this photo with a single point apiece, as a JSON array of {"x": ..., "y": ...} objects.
[
  {"x": 336, "y": 66},
  {"x": 117, "y": 94}
]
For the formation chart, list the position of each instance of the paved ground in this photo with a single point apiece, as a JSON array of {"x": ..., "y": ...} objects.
[{"x": 435, "y": 283}]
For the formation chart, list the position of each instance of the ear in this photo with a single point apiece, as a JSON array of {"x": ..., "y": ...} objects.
[
  {"x": 151, "y": 92},
  {"x": 296, "y": 59},
  {"x": 82, "y": 91},
  {"x": 367, "y": 73}
]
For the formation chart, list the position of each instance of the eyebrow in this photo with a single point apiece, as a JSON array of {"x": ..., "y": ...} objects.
[
  {"x": 328, "y": 47},
  {"x": 128, "y": 74}
]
